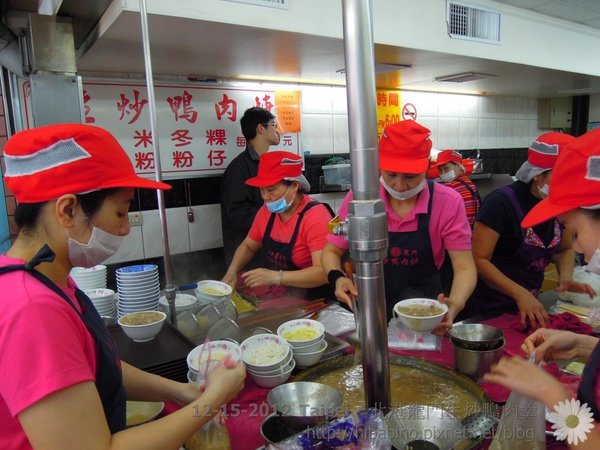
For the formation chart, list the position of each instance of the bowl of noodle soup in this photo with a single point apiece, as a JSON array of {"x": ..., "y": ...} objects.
[
  {"x": 305, "y": 334},
  {"x": 421, "y": 315},
  {"x": 264, "y": 353}
]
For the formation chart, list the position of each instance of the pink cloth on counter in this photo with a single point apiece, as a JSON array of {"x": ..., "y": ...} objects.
[
  {"x": 45, "y": 347},
  {"x": 449, "y": 228}
]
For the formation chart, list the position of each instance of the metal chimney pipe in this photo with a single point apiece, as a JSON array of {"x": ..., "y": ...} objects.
[
  {"x": 169, "y": 287},
  {"x": 367, "y": 221}
]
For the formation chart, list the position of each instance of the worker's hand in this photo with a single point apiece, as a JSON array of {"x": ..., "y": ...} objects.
[
  {"x": 530, "y": 309},
  {"x": 345, "y": 290},
  {"x": 448, "y": 318},
  {"x": 574, "y": 286},
  {"x": 230, "y": 279},
  {"x": 260, "y": 277},
  {"x": 226, "y": 380},
  {"x": 549, "y": 344}
]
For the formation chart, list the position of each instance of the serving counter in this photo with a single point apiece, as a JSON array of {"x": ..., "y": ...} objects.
[{"x": 245, "y": 414}]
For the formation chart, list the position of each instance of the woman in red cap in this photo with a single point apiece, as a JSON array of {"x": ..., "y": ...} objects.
[
  {"x": 453, "y": 173},
  {"x": 427, "y": 225},
  {"x": 510, "y": 259},
  {"x": 575, "y": 200},
  {"x": 290, "y": 230},
  {"x": 61, "y": 382}
]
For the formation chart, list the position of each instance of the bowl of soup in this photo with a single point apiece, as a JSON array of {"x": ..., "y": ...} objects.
[
  {"x": 209, "y": 291},
  {"x": 142, "y": 326},
  {"x": 302, "y": 333},
  {"x": 421, "y": 315}
]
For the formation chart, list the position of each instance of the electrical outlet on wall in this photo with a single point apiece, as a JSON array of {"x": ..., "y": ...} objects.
[{"x": 135, "y": 219}]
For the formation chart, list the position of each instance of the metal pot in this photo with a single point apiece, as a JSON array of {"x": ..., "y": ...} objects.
[{"x": 473, "y": 363}]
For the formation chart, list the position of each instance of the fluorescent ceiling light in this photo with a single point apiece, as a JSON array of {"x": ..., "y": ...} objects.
[
  {"x": 383, "y": 68},
  {"x": 464, "y": 77}
]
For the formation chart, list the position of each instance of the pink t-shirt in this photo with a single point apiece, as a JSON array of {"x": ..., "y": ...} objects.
[
  {"x": 44, "y": 347},
  {"x": 311, "y": 235},
  {"x": 448, "y": 225}
]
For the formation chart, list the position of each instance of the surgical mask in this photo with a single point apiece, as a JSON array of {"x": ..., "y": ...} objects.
[
  {"x": 405, "y": 195},
  {"x": 100, "y": 247},
  {"x": 448, "y": 176},
  {"x": 594, "y": 263},
  {"x": 544, "y": 190},
  {"x": 279, "y": 206}
]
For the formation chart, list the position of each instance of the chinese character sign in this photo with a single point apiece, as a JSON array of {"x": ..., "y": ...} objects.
[
  {"x": 198, "y": 126},
  {"x": 388, "y": 109}
]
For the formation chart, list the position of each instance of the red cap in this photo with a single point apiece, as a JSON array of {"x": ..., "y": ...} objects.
[
  {"x": 46, "y": 162},
  {"x": 575, "y": 180},
  {"x": 405, "y": 147},
  {"x": 276, "y": 166},
  {"x": 544, "y": 151},
  {"x": 447, "y": 156}
]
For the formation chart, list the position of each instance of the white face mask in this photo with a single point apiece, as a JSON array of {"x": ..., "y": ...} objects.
[
  {"x": 448, "y": 176},
  {"x": 101, "y": 246},
  {"x": 544, "y": 190},
  {"x": 594, "y": 264},
  {"x": 405, "y": 195}
]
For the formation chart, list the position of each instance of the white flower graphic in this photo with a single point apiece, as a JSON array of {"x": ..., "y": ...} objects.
[{"x": 572, "y": 421}]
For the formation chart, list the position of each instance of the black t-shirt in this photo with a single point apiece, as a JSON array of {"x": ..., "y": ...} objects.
[{"x": 498, "y": 213}]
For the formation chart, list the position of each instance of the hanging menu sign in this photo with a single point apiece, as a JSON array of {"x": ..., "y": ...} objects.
[{"x": 198, "y": 126}]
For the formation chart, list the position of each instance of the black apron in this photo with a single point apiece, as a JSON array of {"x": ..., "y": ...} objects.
[
  {"x": 526, "y": 267},
  {"x": 409, "y": 268},
  {"x": 109, "y": 379},
  {"x": 278, "y": 255},
  {"x": 587, "y": 391}
]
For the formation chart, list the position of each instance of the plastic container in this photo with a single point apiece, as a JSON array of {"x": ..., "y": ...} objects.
[{"x": 336, "y": 174}]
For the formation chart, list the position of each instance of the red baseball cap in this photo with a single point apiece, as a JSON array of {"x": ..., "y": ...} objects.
[
  {"x": 46, "y": 162},
  {"x": 543, "y": 151},
  {"x": 447, "y": 156},
  {"x": 274, "y": 167},
  {"x": 575, "y": 180},
  {"x": 405, "y": 147}
]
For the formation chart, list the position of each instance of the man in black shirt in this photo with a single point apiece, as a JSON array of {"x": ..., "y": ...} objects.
[{"x": 240, "y": 202}]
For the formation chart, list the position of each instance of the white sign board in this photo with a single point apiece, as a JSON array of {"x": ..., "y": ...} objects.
[{"x": 198, "y": 126}]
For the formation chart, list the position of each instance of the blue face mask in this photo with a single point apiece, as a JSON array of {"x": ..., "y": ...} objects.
[{"x": 280, "y": 205}]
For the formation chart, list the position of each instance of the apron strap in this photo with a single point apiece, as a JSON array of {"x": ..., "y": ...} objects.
[{"x": 473, "y": 193}]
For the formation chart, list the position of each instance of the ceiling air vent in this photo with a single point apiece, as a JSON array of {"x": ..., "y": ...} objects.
[{"x": 466, "y": 21}]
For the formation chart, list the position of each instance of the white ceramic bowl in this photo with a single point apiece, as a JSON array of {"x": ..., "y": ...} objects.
[
  {"x": 212, "y": 290},
  {"x": 275, "y": 371},
  {"x": 308, "y": 359},
  {"x": 216, "y": 350},
  {"x": 183, "y": 302},
  {"x": 423, "y": 324},
  {"x": 301, "y": 332},
  {"x": 98, "y": 294},
  {"x": 142, "y": 412},
  {"x": 145, "y": 331},
  {"x": 264, "y": 352},
  {"x": 270, "y": 381},
  {"x": 310, "y": 348}
]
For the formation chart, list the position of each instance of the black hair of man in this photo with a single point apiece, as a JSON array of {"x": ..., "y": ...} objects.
[{"x": 252, "y": 118}]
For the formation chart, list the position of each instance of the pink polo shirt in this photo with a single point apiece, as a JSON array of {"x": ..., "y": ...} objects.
[{"x": 448, "y": 225}]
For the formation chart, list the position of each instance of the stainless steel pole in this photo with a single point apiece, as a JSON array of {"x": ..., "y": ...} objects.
[
  {"x": 169, "y": 288},
  {"x": 367, "y": 222}
]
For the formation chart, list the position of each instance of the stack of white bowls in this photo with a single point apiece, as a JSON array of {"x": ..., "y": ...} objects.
[
  {"x": 138, "y": 289},
  {"x": 307, "y": 339},
  {"x": 89, "y": 277},
  {"x": 268, "y": 358},
  {"x": 103, "y": 300},
  {"x": 204, "y": 358}
]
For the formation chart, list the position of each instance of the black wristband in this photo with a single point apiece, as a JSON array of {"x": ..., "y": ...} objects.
[{"x": 333, "y": 276}]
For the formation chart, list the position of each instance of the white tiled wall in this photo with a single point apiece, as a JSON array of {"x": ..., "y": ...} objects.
[{"x": 455, "y": 121}]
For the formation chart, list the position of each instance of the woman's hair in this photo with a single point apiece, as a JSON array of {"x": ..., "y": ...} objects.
[
  {"x": 28, "y": 214},
  {"x": 593, "y": 214}
]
